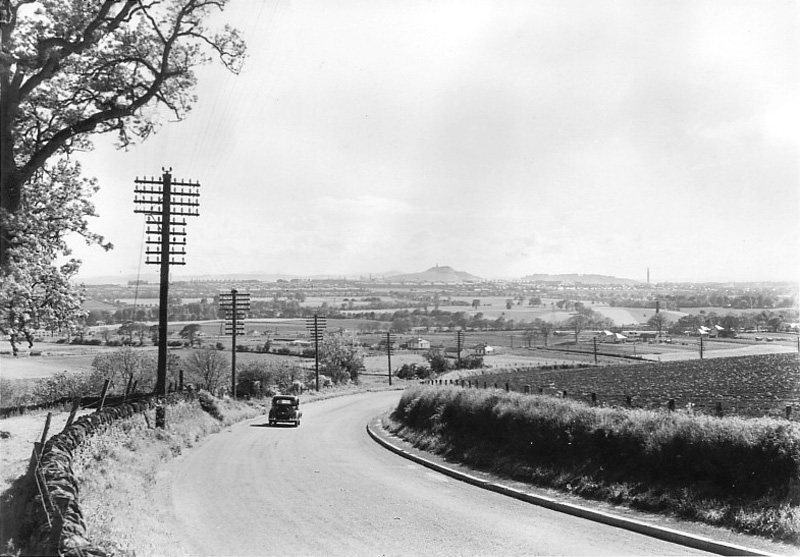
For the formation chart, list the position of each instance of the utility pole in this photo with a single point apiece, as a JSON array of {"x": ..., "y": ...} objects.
[
  {"x": 316, "y": 328},
  {"x": 166, "y": 204},
  {"x": 701, "y": 347},
  {"x": 595, "y": 350},
  {"x": 390, "y": 340},
  {"x": 234, "y": 305},
  {"x": 460, "y": 345}
]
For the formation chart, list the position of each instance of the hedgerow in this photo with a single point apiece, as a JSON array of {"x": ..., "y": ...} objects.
[{"x": 741, "y": 462}]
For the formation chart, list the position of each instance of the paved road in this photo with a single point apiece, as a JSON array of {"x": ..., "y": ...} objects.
[{"x": 326, "y": 488}]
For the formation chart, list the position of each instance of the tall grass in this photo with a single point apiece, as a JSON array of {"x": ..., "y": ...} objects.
[{"x": 748, "y": 469}]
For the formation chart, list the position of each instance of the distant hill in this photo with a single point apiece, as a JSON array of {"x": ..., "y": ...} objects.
[
  {"x": 577, "y": 278},
  {"x": 436, "y": 274}
]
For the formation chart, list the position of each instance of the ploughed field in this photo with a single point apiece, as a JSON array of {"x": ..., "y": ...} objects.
[{"x": 750, "y": 386}]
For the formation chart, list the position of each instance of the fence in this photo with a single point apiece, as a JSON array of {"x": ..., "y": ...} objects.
[
  {"x": 715, "y": 407},
  {"x": 58, "y": 524}
]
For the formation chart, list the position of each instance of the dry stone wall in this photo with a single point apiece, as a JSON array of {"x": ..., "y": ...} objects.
[{"x": 59, "y": 525}]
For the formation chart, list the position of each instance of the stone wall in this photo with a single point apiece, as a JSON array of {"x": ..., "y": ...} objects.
[{"x": 59, "y": 527}]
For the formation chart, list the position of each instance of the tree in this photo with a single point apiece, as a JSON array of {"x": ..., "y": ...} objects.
[
  {"x": 545, "y": 327},
  {"x": 209, "y": 365},
  {"x": 578, "y": 323},
  {"x": 658, "y": 322},
  {"x": 476, "y": 303},
  {"x": 124, "y": 366},
  {"x": 439, "y": 363},
  {"x": 189, "y": 332},
  {"x": 35, "y": 290},
  {"x": 70, "y": 69},
  {"x": 341, "y": 358}
]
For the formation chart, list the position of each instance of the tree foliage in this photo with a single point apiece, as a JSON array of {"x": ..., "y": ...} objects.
[
  {"x": 342, "y": 358},
  {"x": 36, "y": 291},
  {"x": 124, "y": 366},
  {"x": 209, "y": 367},
  {"x": 258, "y": 378},
  {"x": 70, "y": 69}
]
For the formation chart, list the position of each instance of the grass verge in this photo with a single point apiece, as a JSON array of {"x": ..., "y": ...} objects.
[
  {"x": 118, "y": 467},
  {"x": 730, "y": 472}
]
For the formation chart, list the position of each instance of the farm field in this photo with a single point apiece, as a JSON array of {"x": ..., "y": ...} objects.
[{"x": 752, "y": 386}]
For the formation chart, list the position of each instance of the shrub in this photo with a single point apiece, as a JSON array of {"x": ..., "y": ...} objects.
[
  {"x": 728, "y": 457},
  {"x": 439, "y": 364},
  {"x": 471, "y": 361},
  {"x": 255, "y": 378},
  {"x": 413, "y": 371},
  {"x": 209, "y": 404},
  {"x": 66, "y": 385}
]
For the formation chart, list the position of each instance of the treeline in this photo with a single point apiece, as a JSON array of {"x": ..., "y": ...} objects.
[{"x": 677, "y": 302}]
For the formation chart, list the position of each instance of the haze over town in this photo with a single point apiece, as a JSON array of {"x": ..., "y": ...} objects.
[{"x": 548, "y": 137}]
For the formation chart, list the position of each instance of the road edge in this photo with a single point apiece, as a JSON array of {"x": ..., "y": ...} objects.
[{"x": 379, "y": 434}]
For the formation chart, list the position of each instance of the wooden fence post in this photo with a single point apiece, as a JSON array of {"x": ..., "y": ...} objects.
[
  {"x": 671, "y": 405},
  {"x": 76, "y": 404},
  {"x": 719, "y": 408},
  {"x": 46, "y": 427},
  {"x": 594, "y": 399},
  {"x": 161, "y": 417},
  {"x": 788, "y": 412},
  {"x": 106, "y": 383},
  {"x": 527, "y": 389}
]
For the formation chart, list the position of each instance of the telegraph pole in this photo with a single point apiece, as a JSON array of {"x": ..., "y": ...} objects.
[
  {"x": 460, "y": 345},
  {"x": 316, "y": 327},
  {"x": 234, "y": 305},
  {"x": 390, "y": 339},
  {"x": 163, "y": 201}
]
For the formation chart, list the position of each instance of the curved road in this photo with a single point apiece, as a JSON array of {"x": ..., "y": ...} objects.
[{"x": 326, "y": 488}]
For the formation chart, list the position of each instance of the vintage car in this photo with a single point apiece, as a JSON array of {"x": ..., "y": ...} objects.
[{"x": 285, "y": 409}]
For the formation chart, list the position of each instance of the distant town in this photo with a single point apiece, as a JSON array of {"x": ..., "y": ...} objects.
[{"x": 442, "y": 296}]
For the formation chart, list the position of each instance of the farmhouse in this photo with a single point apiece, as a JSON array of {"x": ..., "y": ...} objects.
[
  {"x": 483, "y": 349},
  {"x": 419, "y": 343}
]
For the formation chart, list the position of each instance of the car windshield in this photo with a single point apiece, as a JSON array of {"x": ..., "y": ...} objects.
[{"x": 282, "y": 402}]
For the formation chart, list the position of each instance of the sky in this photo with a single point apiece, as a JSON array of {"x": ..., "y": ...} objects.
[{"x": 499, "y": 138}]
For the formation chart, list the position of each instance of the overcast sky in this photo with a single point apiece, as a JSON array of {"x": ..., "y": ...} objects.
[{"x": 499, "y": 138}]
